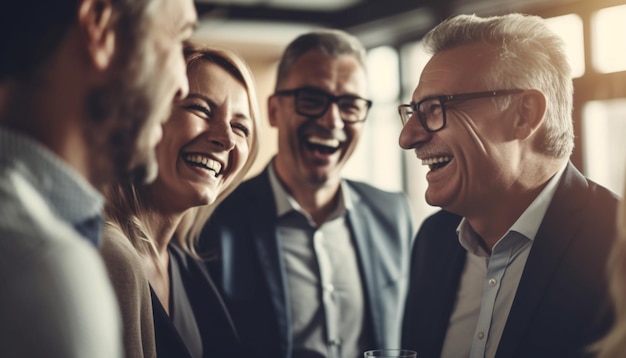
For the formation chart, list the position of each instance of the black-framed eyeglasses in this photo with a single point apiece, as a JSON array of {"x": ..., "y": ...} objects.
[
  {"x": 312, "y": 102},
  {"x": 431, "y": 111}
]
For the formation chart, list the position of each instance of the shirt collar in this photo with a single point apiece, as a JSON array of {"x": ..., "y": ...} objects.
[
  {"x": 69, "y": 194},
  {"x": 527, "y": 224},
  {"x": 285, "y": 202}
]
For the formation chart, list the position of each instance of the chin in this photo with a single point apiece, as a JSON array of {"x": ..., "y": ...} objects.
[
  {"x": 433, "y": 200},
  {"x": 203, "y": 199},
  {"x": 151, "y": 170},
  {"x": 145, "y": 168}
]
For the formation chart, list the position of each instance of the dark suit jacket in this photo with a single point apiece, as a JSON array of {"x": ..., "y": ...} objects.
[
  {"x": 251, "y": 275},
  {"x": 219, "y": 338},
  {"x": 561, "y": 304}
]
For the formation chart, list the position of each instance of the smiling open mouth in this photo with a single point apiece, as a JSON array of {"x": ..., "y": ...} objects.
[
  {"x": 436, "y": 163},
  {"x": 205, "y": 163},
  {"x": 324, "y": 146}
]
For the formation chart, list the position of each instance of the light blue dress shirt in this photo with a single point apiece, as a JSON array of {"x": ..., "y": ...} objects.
[
  {"x": 323, "y": 278},
  {"x": 71, "y": 197},
  {"x": 55, "y": 296},
  {"x": 489, "y": 281}
]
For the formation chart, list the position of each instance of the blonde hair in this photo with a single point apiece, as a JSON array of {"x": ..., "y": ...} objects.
[
  {"x": 613, "y": 345},
  {"x": 193, "y": 221},
  {"x": 125, "y": 206}
]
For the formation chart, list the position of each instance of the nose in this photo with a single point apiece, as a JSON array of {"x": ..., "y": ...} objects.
[
  {"x": 413, "y": 133},
  {"x": 220, "y": 133},
  {"x": 331, "y": 119},
  {"x": 181, "y": 82}
]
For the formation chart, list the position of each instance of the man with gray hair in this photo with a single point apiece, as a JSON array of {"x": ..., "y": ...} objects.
[
  {"x": 84, "y": 88},
  {"x": 513, "y": 266},
  {"x": 313, "y": 265}
]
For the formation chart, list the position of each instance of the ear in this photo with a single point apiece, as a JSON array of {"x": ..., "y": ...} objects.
[
  {"x": 531, "y": 112},
  {"x": 272, "y": 109},
  {"x": 95, "y": 21}
]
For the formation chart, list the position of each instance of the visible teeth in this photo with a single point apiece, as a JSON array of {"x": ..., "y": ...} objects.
[
  {"x": 435, "y": 160},
  {"x": 205, "y": 162},
  {"x": 332, "y": 143}
]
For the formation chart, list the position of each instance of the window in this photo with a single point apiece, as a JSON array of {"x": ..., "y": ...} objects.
[
  {"x": 378, "y": 157},
  {"x": 604, "y": 125},
  {"x": 570, "y": 29},
  {"x": 413, "y": 60},
  {"x": 608, "y": 30}
]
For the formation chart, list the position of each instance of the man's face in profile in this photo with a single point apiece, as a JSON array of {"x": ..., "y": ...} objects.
[{"x": 145, "y": 88}]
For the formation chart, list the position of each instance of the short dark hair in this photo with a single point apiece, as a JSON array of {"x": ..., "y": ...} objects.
[
  {"x": 30, "y": 31},
  {"x": 333, "y": 43}
]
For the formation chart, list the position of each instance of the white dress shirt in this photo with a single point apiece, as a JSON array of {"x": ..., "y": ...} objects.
[
  {"x": 55, "y": 296},
  {"x": 489, "y": 282}
]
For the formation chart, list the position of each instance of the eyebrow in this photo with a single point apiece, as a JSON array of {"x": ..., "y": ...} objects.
[
  {"x": 317, "y": 89},
  {"x": 243, "y": 117},
  {"x": 432, "y": 96},
  {"x": 199, "y": 96},
  {"x": 189, "y": 26},
  {"x": 208, "y": 101}
]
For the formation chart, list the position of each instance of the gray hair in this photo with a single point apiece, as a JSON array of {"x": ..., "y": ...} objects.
[
  {"x": 333, "y": 43},
  {"x": 530, "y": 57}
]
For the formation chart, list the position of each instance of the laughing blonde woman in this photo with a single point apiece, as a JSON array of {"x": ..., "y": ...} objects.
[{"x": 208, "y": 145}]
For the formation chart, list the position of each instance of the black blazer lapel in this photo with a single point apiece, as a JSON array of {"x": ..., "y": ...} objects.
[
  {"x": 168, "y": 342},
  {"x": 261, "y": 214},
  {"x": 358, "y": 220},
  {"x": 207, "y": 302},
  {"x": 564, "y": 224},
  {"x": 437, "y": 263}
]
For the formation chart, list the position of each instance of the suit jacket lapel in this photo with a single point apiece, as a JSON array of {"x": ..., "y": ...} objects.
[
  {"x": 358, "y": 219},
  {"x": 261, "y": 212},
  {"x": 437, "y": 264},
  {"x": 168, "y": 340},
  {"x": 551, "y": 242},
  {"x": 214, "y": 298}
]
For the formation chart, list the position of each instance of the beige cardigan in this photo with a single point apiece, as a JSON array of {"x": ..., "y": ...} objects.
[{"x": 133, "y": 293}]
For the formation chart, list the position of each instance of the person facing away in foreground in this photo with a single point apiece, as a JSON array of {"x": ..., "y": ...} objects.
[
  {"x": 310, "y": 264},
  {"x": 84, "y": 86},
  {"x": 613, "y": 345},
  {"x": 513, "y": 266},
  {"x": 209, "y": 143}
]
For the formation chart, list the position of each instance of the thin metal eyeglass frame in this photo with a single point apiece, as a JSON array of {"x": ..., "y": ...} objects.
[
  {"x": 331, "y": 99},
  {"x": 449, "y": 98}
]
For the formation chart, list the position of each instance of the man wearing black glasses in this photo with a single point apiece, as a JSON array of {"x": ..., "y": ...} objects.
[
  {"x": 312, "y": 265},
  {"x": 513, "y": 266}
]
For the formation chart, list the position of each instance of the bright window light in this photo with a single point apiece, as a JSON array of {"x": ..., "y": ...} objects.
[
  {"x": 570, "y": 29},
  {"x": 414, "y": 59},
  {"x": 382, "y": 69},
  {"x": 604, "y": 126},
  {"x": 378, "y": 158},
  {"x": 608, "y": 34}
]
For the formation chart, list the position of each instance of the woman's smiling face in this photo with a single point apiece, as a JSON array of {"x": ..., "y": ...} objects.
[{"x": 205, "y": 142}]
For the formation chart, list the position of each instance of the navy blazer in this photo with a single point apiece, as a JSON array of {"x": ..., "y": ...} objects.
[
  {"x": 561, "y": 304},
  {"x": 219, "y": 337},
  {"x": 250, "y": 270}
]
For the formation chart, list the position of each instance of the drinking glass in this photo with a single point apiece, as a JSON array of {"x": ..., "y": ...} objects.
[{"x": 391, "y": 353}]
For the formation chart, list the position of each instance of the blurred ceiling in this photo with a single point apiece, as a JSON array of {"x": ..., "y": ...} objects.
[{"x": 264, "y": 27}]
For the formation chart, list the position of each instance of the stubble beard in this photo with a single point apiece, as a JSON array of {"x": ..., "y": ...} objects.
[{"x": 123, "y": 112}]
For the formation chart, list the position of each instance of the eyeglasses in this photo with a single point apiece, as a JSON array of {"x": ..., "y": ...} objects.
[
  {"x": 311, "y": 102},
  {"x": 431, "y": 111}
]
